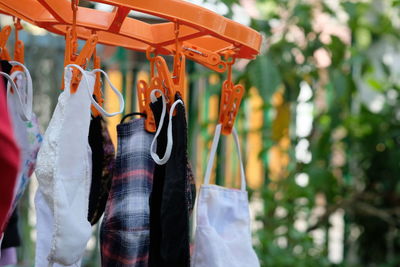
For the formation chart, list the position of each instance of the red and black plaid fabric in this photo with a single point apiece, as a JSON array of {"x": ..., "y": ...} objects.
[{"x": 124, "y": 233}]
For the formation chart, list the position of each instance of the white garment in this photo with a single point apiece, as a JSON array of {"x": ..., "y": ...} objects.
[
  {"x": 223, "y": 236},
  {"x": 18, "y": 123},
  {"x": 64, "y": 174},
  {"x": 25, "y": 126},
  {"x": 44, "y": 232}
]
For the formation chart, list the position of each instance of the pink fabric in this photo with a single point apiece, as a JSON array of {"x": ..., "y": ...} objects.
[{"x": 9, "y": 160}]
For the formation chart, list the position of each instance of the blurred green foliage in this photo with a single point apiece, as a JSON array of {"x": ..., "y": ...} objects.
[{"x": 355, "y": 136}]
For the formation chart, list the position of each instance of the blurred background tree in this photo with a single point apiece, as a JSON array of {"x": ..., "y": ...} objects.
[{"x": 329, "y": 81}]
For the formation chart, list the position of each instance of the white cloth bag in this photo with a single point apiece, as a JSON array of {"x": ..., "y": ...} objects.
[
  {"x": 223, "y": 236},
  {"x": 64, "y": 173}
]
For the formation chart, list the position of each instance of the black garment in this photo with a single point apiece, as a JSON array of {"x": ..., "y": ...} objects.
[
  {"x": 102, "y": 168},
  {"x": 5, "y": 67},
  {"x": 173, "y": 195},
  {"x": 11, "y": 234}
]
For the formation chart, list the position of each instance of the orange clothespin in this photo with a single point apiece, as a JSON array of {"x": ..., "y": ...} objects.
[
  {"x": 179, "y": 68},
  {"x": 231, "y": 97},
  {"x": 143, "y": 93},
  {"x": 179, "y": 74},
  {"x": 19, "y": 55},
  {"x": 174, "y": 82},
  {"x": 71, "y": 48},
  {"x": 4, "y": 34},
  {"x": 164, "y": 79},
  {"x": 98, "y": 94}
]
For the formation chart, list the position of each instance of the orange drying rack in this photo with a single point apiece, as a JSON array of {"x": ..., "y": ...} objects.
[
  {"x": 204, "y": 35},
  {"x": 190, "y": 32}
]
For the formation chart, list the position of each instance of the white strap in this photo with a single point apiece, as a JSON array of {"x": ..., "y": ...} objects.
[
  {"x": 170, "y": 141},
  {"x": 116, "y": 91},
  {"x": 153, "y": 152},
  {"x": 97, "y": 106},
  {"x": 213, "y": 151},
  {"x": 22, "y": 111},
  {"x": 26, "y": 109}
]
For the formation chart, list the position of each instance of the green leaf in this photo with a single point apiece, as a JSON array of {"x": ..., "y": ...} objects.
[{"x": 264, "y": 74}]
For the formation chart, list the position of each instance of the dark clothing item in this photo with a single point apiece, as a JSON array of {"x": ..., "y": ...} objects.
[
  {"x": 173, "y": 195},
  {"x": 102, "y": 168},
  {"x": 9, "y": 155},
  {"x": 124, "y": 233},
  {"x": 11, "y": 233},
  {"x": 5, "y": 67}
]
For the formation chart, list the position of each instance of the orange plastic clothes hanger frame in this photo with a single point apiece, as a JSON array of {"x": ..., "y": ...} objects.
[{"x": 209, "y": 33}]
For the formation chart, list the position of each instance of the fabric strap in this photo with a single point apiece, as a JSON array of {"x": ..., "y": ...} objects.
[
  {"x": 170, "y": 142},
  {"x": 97, "y": 106},
  {"x": 214, "y": 150},
  {"x": 25, "y": 113},
  {"x": 26, "y": 109}
]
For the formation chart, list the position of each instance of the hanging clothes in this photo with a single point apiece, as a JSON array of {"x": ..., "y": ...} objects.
[
  {"x": 223, "y": 236},
  {"x": 9, "y": 159},
  {"x": 103, "y": 166},
  {"x": 12, "y": 237},
  {"x": 44, "y": 230},
  {"x": 8, "y": 256},
  {"x": 28, "y": 138},
  {"x": 173, "y": 194},
  {"x": 26, "y": 130},
  {"x": 64, "y": 173},
  {"x": 124, "y": 233}
]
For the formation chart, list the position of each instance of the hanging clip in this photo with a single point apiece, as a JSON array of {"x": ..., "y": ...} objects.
[
  {"x": 144, "y": 90},
  {"x": 82, "y": 59},
  {"x": 19, "y": 55},
  {"x": 231, "y": 97},
  {"x": 208, "y": 59},
  {"x": 97, "y": 85},
  {"x": 143, "y": 93},
  {"x": 4, "y": 34},
  {"x": 179, "y": 67},
  {"x": 179, "y": 74},
  {"x": 164, "y": 81},
  {"x": 71, "y": 48}
]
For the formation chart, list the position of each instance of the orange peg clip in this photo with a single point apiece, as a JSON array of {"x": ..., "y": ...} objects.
[
  {"x": 144, "y": 90},
  {"x": 71, "y": 48},
  {"x": 4, "y": 34},
  {"x": 143, "y": 93},
  {"x": 97, "y": 85},
  {"x": 165, "y": 82},
  {"x": 231, "y": 97},
  {"x": 81, "y": 60},
  {"x": 19, "y": 55},
  {"x": 230, "y": 108},
  {"x": 179, "y": 74},
  {"x": 179, "y": 67}
]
